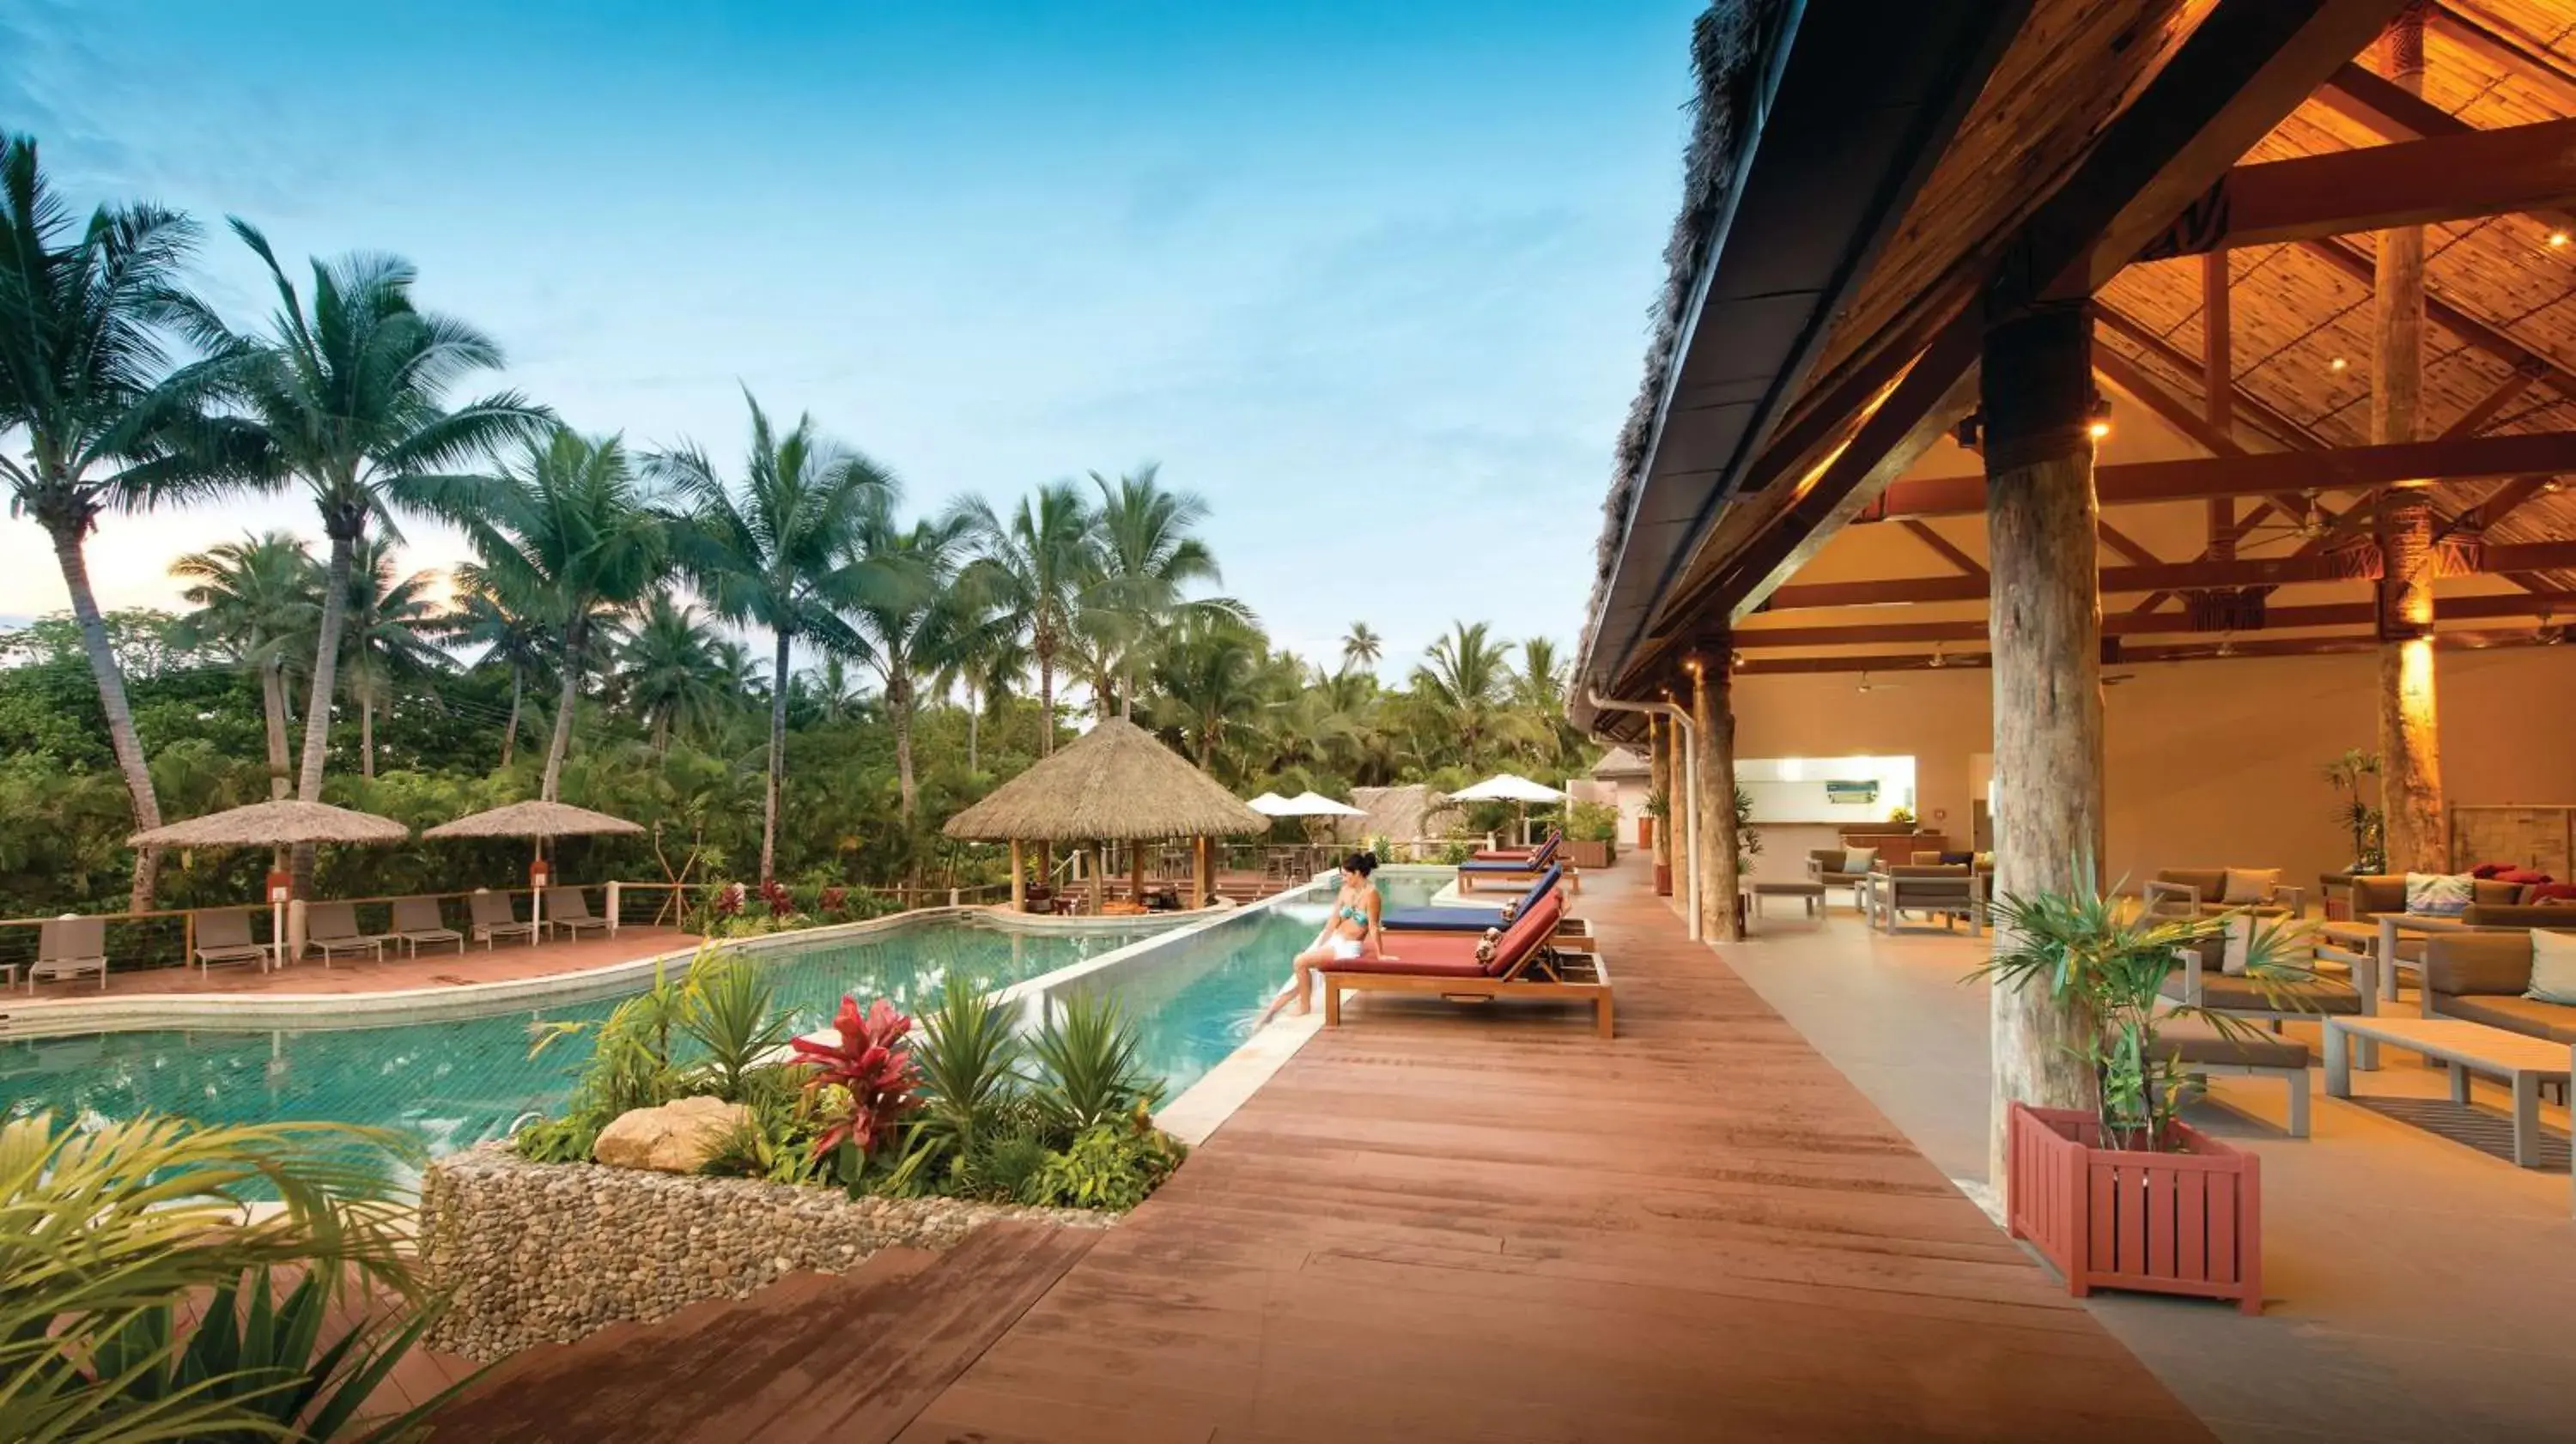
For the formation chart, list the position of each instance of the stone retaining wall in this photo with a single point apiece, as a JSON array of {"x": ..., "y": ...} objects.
[{"x": 546, "y": 1253}]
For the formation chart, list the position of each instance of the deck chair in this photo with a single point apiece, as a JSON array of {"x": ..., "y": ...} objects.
[
  {"x": 1518, "y": 962},
  {"x": 416, "y": 921},
  {"x": 1544, "y": 847},
  {"x": 569, "y": 909},
  {"x": 492, "y": 919},
  {"x": 331, "y": 928},
  {"x": 223, "y": 936},
  {"x": 1516, "y": 872},
  {"x": 1429, "y": 919},
  {"x": 67, "y": 948}
]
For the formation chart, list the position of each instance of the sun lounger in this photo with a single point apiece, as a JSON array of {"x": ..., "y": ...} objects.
[
  {"x": 67, "y": 948},
  {"x": 492, "y": 919},
  {"x": 1469, "y": 919},
  {"x": 331, "y": 928},
  {"x": 1471, "y": 875},
  {"x": 223, "y": 936},
  {"x": 569, "y": 909},
  {"x": 1519, "y": 963},
  {"x": 417, "y": 921},
  {"x": 1543, "y": 850}
]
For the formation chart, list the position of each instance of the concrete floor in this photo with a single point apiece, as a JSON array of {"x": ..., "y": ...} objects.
[{"x": 2419, "y": 1289}]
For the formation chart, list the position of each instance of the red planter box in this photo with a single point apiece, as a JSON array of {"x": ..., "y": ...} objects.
[
  {"x": 1663, "y": 879},
  {"x": 2169, "y": 1223}
]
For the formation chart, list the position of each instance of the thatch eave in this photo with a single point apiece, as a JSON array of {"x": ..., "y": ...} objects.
[{"x": 1115, "y": 783}]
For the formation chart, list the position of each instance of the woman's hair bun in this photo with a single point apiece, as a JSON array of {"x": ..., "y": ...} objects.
[{"x": 1362, "y": 863}]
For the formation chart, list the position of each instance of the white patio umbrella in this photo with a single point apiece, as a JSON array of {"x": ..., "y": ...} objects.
[
  {"x": 1510, "y": 787},
  {"x": 1269, "y": 804},
  {"x": 1316, "y": 804}
]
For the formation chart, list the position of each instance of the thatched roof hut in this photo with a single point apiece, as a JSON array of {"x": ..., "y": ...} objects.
[
  {"x": 1114, "y": 784},
  {"x": 275, "y": 824},
  {"x": 534, "y": 819}
]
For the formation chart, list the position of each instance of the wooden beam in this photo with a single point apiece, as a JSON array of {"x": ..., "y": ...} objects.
[
  {"x": 2506, "y": 499},
  {"x": 2176, "y": 576},
  {"x": 2243, "y": 649},
  {"x": 2120, "y": 372},
  {"x": 2243, "y": 405},
  {"x": 2126, "y": 545},
  {"x": 2395, "y": 114},
  {"x": 2467, "y": 175},
  {"x": 2218, "y": 386},
  {"x": 2484, "y": 409},
  {"x": 1942, "y": 547},
  {"x": 2491, "y": 339},
  {"x": 2242, "y": 70},
  {"x": 2502, "y": 606},
  {"x": 2350, "y": 468}
]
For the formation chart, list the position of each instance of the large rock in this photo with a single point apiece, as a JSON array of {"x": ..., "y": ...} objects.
[{"x": 675, "y": 1138}]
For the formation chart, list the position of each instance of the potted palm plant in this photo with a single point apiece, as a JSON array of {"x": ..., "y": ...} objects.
[
  {"x": 1659, "y": 811},
  {"x": 2126, "y": 1194}
]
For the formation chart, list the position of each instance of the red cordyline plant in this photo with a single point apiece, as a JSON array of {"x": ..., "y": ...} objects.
[
  {"x": 781, "y": 902},
  {"x": 872, "y": 1062},
  {"x": 833, "y": 899},
  {"x": 728, "y": 900}
]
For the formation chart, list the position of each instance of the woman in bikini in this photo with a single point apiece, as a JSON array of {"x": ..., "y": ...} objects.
[{"x": 1351, "y": 931}]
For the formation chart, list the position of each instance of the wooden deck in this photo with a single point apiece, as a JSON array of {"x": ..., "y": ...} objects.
[
  {"x": 1445, "y": 1223},
  {"x": 434, "y": 968}
]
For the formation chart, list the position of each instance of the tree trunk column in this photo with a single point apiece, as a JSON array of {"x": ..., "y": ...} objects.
[
  {"x": 1019, "y": 879},
  {"x": 2410, "y": 777},
  {"x": 2042, "y": 516},
  {"x": 1659, "y": 783},
  {"x": 1198, "y": 872},
  {"x": 1713, "y": 723}
]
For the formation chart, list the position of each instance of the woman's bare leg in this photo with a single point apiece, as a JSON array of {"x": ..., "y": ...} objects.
[{"x": 1297, "y": 989}]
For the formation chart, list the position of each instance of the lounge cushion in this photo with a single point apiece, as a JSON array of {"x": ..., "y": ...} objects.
[
  {"x": 2251, "y": 884},
  {"x": 2206, "y": 1049},
  {"x": 1466, "y": 920},
  {"x": 2209, "y": 882},
  {"x": 2553, "y": 968},
  {"x": 1416, "y": 961},
  {"x": 1859, "y": 859},
  {"x": 2437, "y": 894},
  {"x": 2551, "y": 892},
  {"x": 2554, "y": 1021},
  {"x": 2240, "y": 995}
]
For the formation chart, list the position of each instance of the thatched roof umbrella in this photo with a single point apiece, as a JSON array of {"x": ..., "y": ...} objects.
[
  {"x": 538, "y": 820},
  {"x": 273, "y": 825},
  {"x": 1113, "y": 784}
]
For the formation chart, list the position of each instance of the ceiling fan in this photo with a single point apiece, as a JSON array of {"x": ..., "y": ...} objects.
[{"x": 1867, "y": 685}]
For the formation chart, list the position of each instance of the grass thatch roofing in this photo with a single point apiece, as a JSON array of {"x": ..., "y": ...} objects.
[
  {"x": 274, "y": 824},
  {"x": 1114, "y": 784},
  {"x": 533, "y": 819}
]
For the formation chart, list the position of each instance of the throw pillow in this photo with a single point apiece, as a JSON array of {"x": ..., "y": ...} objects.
[
  {"x": 2435, "y": 894},
  {"x": 2552, "y": 892},
  {"x": 1485, "y": 945},
  {"x": 1859, "y": 859},
  {"x": 2250, "y": 885},
  {"x": 2240, "y": 944},
  {"x": 2486, "y": 870},
  {"x": 1511, "y": 909},
  {"x": 2525, "y": 876},
  {"x": 2553, "y": 967},
  {"x": 1957, "y": 859},
  {"x": 1984, "y": 862}
]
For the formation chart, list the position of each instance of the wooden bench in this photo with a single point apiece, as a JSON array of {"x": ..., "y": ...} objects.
[
  {"x": 2521, "y": 1062},
  {"x": 1811, "y": 893},
  {"x": 2284, "y": 1059}
]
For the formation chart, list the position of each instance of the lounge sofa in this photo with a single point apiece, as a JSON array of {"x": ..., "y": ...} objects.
[
  {"x": 2202, "y": 891},
  {"x": 1825, "y": 865},
  {"x": 2481, "y": 977},
  {"x": 2493, "y": 903},
  {"x": 2200, "y": 979},
  {"x": 1946, "y": 893}
]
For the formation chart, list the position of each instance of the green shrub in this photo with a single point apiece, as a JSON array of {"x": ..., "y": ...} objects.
[
  {"x": 729, "y": 1008},
  {"x": 1592, "y": 822},
  {"x": 1109, "y": 1167},
  {"x": 969, "y": 1062},
  {"x": 1006, "y": 1169},
  {"x": 1088, "y": 1068}
]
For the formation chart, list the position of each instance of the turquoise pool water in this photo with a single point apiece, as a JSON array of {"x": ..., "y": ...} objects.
[{"x": 454, "y": 1083}]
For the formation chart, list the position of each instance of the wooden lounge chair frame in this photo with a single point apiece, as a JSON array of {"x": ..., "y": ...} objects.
[
  {"x": 67, "y": 948},
  {"x": 486, "y": 929},
  {"x": 412, "y": 937},
  {"x": 333, "y": 944},
  {"x": 572, "y": 919},
  {"x": 1563, "y": 976},
  {"x": 226, "y": 950},
  {"x": 1518, "y": 877}
]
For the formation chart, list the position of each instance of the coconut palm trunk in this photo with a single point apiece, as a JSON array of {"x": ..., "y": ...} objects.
[
  {"x": 272, "y": 704},
  {"x": 777, "y": 757},
  {"x": 518, "y": 694},
  {"x": 974, "y": 726},
  {"x": 1045, "y": 649},
  {"x": 367, "y": 736},
  {"x": 899, "y": 704},
  {"x": 326, "y": 676},
  {"x": 576, "y": 636},
  {"x": 120, "y": 714}
]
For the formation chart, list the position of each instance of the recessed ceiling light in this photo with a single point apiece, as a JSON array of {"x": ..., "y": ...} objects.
[
  {"x": 2557, "y": 238},
  {"x": 2337, "y": 364}
]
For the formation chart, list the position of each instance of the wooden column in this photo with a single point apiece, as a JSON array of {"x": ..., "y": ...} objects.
[
  {"x": 1136, "y": 873},
  {"x": 2218, "y": 389},
  {"x": 1659, "y": 778},
  {"x": 1713, "y": 719},
  {"x": 1198, "y": 872},
  {"x": 2042, "y": 517},
  {"x": 2410, "y": 774},
  {"x": 1019, "y": 878}
]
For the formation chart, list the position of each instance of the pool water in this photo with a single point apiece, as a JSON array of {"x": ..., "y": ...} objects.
[{"x": 453, "y": 1083}]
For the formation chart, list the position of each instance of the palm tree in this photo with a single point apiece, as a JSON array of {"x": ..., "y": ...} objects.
[
  {"x": 908, "y": 605},
  {"x": 670, "y": 672},
  {"x": 1035, "y": 569},
  {"x": 769, "y": 552},
  {"x": 346, "y": 394},
  {"x": 1210, "y": 681},
  {"x": 386, "y": 636},
  {"x": 254, "y": 600},
  {"x": 986, "y": 661},
  {"x": 1539, "y": 692},
  {"x": 1361, "y": 647},
  {"x": 566, "y": 527},
  {"x": 1463, "y": 683},
  {"x": 511, "y": 636},
  {"x": 1147, "y": 557},
  {"x": 108, "y": 426}
]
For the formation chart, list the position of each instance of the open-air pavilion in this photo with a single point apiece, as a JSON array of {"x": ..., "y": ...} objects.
[{"x": 1114, "y": 783}]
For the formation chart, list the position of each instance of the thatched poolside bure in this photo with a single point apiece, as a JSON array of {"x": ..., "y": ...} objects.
[
  {"x": 534, "y": 819},
  {"x": 1113, "y": 784},
  {"x": 275, "y": 824}
]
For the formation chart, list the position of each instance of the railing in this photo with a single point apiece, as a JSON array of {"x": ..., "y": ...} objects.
[{"x": 166, "y": 937}]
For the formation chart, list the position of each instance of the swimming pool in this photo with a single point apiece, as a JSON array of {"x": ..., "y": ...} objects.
[{"x": 453, "y": 1083}]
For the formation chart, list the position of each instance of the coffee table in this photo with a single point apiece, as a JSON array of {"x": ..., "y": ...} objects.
[
  {"x": 2521, "y": 1062},
  {"x": 1810, "y": 893}
]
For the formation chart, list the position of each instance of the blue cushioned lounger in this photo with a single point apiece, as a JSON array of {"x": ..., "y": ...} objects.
[{"x": 1465, "y": 920}]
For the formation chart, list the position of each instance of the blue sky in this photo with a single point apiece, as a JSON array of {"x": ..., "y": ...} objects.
[{"x": 1373, "y": 278}]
